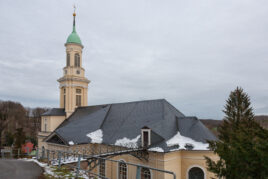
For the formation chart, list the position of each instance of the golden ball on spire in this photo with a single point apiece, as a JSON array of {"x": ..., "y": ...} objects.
[{"x": 74, "y": 14}]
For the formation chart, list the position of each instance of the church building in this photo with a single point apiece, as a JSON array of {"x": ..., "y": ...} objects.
[{"x": 171, "y": 140}]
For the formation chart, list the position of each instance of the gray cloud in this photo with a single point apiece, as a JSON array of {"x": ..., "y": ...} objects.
[{"x": 193, "y": 53}]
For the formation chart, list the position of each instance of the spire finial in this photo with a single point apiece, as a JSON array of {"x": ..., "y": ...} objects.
[
  {"x": 74, "y": 10},
  {"x": 74, "y": 14}
]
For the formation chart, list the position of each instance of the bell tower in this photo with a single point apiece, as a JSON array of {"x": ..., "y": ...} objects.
[{"x": 73, "y": 84}]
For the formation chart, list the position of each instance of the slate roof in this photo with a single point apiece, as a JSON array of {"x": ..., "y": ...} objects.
[
  {"x": 54, "y": 112},
  {"x": 127, "y": 119}
]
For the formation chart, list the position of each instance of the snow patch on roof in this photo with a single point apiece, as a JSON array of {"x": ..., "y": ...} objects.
[
  {"x": 125, "y": 142},
  {"x": 71, "y": 143},
  {"x": 156, "y": 149},
  {"x": 96, "y": 136},
  {"x": 180, "y": 140}
]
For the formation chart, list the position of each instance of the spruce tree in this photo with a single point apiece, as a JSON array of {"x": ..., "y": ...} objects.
[{"x": 243, "y": 144}]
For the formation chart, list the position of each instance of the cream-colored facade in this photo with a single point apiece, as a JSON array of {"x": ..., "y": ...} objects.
[
  {"x": 73, "y": 88},
  {"x": 180, "y": 162},
  {"x": 74, "y": 84}
]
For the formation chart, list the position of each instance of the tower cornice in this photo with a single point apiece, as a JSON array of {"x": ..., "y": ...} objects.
[{"x": 71, "y": 79}]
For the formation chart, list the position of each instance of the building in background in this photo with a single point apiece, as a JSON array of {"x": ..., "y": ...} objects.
[{"x": 172, "y": 141}]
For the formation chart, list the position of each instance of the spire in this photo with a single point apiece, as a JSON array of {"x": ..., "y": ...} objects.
[
  {"x": 74, "y": 14},
  {"x": 73, "y": 37}
]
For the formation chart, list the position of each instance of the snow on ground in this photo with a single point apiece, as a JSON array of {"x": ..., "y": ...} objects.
[
  {"x": 156, "y": 149},
  {"x": 125, "y": 142},
  {"x": 70, "y": 159},
  {"x": 96, "y": 136},
  {"x": 71, "y": 143},
  {"x": 180, "y": 140},
  {"x": 50, "y": 170}
]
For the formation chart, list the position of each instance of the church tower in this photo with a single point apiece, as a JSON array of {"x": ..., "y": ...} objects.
[{"x": 73, "y": 84}]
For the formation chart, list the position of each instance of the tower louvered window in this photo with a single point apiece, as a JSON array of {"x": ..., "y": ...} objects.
[
  {"x": 77, "y": 60},
  {"x": 68, "y": 60}
]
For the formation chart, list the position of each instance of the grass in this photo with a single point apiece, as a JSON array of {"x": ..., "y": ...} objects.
[{"x": 63, "y": 172}]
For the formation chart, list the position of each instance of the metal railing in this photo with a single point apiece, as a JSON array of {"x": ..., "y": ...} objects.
[{"x": 73, "y": 160}]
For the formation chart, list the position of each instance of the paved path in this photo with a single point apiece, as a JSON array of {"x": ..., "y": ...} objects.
[{"x": 18, "y": 169}]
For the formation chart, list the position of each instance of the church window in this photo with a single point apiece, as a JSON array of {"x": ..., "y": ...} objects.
[
  {"x": 122, "y": 170},
  {"x": 196, "y": 173},
  {"x": 145, "y": 173},
  {"x": 68, "y": 60},
  {"x": 102, "y": 167},
  {"x": 45, "y": 125},
  {"x": 77, "y": 60},
  {"x": 78, "y": 100}
]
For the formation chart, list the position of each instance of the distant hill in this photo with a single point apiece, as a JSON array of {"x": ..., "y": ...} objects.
[{"x": 213, "y": 124}]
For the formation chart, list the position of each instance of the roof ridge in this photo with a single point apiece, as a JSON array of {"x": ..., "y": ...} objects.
[
  {"x": 169, "y": 106},
  {"x": 123, "y": 102},
  {"x": 105, "y": 117}
]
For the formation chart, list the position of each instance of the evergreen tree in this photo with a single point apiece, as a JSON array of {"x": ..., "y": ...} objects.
[{"x": 243, "y": 144}]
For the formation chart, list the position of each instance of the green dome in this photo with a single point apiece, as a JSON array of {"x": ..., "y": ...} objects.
[{"x": 74, "y": 38}]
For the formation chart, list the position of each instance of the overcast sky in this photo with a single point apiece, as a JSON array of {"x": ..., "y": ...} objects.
[{"x": 192, "y": 53}]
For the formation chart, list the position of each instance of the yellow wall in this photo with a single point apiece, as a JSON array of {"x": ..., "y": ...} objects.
[
  {"x": 178, "y": 162},
  {"x": 52, "y": 123},
  {"x": 72, "y": 81}
]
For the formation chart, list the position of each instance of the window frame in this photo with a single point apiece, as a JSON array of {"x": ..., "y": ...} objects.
[
  {"x": 148, "y": 170},
  {"x": 118, "y": 171},
  {"x": 77, "y": 60},
  {"x": 45, "y": 125},
  {"x": 68, "y": 60},
  {"x": 104, "y": 167},
  {"x": 142, "y": 136},
  {"x": 78, "y": 100},
  {"x": 197, "y": 166}
]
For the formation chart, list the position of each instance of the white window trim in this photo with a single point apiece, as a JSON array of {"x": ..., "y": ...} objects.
[
  {"x": 118, "y": 168},
  {"x": 149, "y": 136},
  {"x": 198, "y": 166}
]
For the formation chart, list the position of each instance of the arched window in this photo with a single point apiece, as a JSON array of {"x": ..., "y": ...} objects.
[
  {"x": 68, "y": 60},
  {"x": 102, "y": 167},
  {"x": 145, "y": 173},
  {"x": 122, "y": 173},
  {"x": 196, "y": 173},
  {"x": 77, "y": 60}
]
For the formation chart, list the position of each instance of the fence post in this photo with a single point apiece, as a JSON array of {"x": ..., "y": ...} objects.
[
  {"x": 59, "y": 159},
  {"x": 27, "y": 149},
  {"x": 78, "y": 166},
  {"x": 138, "y": 174},
  {"x": 43, "y": 152},
  {"x": 47, "y": 157},
  {"x": 37, "y": 153},
  {"x": 18, "y": 153}
]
